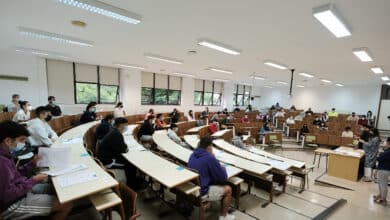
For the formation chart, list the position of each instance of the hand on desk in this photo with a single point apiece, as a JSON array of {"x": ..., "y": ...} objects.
[
  {"x": 35, "y": 159},
  {"x": 39, "y": 177}
]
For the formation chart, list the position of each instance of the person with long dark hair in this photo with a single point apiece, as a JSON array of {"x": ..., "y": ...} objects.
[
  {"x": 370, "y": 148},
  {"x": 89, "y": 114}
]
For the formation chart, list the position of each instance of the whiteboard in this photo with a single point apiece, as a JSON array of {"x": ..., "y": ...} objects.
[{"x": 383, "y": 121}]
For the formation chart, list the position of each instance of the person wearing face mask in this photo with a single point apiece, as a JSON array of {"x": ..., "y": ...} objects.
[
  {"x": 41, "y": 132},
  {"x": 191, "y": 116},
  {"x": 353, "y": 117},
  {"x": 146, "y": 131},
  {"x": 89, "y": 114},
  {"x": 160, "y": 123},
  {"x": 383, "y": 174},
  {"x": 371, "y": 148},
  {"x": 172, "y": 134},
  {"x": 14, "y": 106},
  {"x": 54, "y": 109},
  {"x": 106, "y": 124},
  {"x": 364, "y": 135},
  {"x": 111, "y": 148},
  {"x": 24, "y": 113},
  {"x": 119, "y": 111},
  {"x": 18, "y": 197},
  {"x": 174, "y": 116}
]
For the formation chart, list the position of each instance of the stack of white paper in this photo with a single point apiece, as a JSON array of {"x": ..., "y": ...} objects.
[
  {"x": 73, "y": 140},
  {"x": 56, "y": 158},
  {"x": 71, "y": 169},
  {"x": 77, "y": 178}
]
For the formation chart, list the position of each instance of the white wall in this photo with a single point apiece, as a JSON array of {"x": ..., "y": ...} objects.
[
  {"x": 346, "y": 99},
  {"x": 35, "y": 89}
]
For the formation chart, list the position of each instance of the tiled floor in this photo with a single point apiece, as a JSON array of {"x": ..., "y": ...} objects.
[{"x": 359, "y": 203}]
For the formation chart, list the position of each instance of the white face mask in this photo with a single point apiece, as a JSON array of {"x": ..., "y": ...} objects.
[
  {"x": 29, "y": 108},
  {"x": 18, "y": 147},
  {"x": 93, "y": 109}
]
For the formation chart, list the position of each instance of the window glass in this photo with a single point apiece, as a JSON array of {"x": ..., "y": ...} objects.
[
  {"x": 208, "y": 98},
  {"x": 146, "y": 96},
  {"x": 197, "y": 98},
  {"x": 86, "y": 92},
  {"x": 217, "y": 99},
  {"x": 108, "y": 94},
  {"x": 160, "y": 96},
  {"x": 174, "y": 97}
]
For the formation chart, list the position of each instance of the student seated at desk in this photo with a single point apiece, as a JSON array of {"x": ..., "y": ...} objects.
[
  {"x": 111, "y": 148},
  {"x": 14, "y": 106},
  {"x": 323, "y": 126},
  {"x": 225, "y": 111},
  {"x": 245, "y": 119},
  {"x": 290, "y": 120},
  {"x": 23, "y": 196},
  {"x": 150, "y": 112},
  {"x": 24, "y": 112},
  {"x": 172, "y": 134},
  {"x": 317, "y": 121},
  {"x": 347, "y": 132},
  {"x": 238, "y": 142},
  {"x": 174, "y": 116},
  {"x": 54, "y": 109},
  {"x": 309, "y": 112},
  {"x": 225, "y": 121},
  {"x": 119, "y": 111},
  {"x": 212, "y": 176},
  {"x": 41, "y": 132},
  {"x": 353, "y": 117},
  {"x": 89, "y": 114},
  {"x": 146, "y": 131},
  {"x": 292, "y": 108},
  {"x": 333, "y": 113},
  {"x": 383, "y": 174},
  {"x": 159, "y": 123},
  {"x": 304, "y": 130},
  {"x": 363, "y": 120},
  {"x": 200, "y": 121},
  {"x": 104, "y": 127},
  {"x": 191, "y": 116},
  {"x": 205, "y": 112},
  {"x": 216, "y": 116},
  {"x": 214, "y": 126},
  {"x": 279, "y": 113}
]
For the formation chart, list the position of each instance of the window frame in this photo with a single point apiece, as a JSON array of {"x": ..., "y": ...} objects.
[
  {"x": 236, "y": 94},
  {"x": 98, "y": 84},
  {"x": 168, "y": 90},
  {"x": 202, "y": 103}
]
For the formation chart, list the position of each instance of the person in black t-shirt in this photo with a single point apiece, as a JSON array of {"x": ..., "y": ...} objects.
[
  {"x": 89, "y": 114},
  {"x": 54, "y": 109},
  {"x": 364, "y": 135}
]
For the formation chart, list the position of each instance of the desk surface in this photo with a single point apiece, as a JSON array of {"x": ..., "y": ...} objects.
[
  {"x": 196, "y": 129},
  {"x": 245, "y": 164},
  {"x": 220, "y": 133},
  {"x": 80, "y": 155},
  {"x": 348, "y": 151},
  {"x": 181, "y": 153}
]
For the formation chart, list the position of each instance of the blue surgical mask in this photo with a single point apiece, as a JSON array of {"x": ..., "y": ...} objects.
[{"x": 17, "y": 148}]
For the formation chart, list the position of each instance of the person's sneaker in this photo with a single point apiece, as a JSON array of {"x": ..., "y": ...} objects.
[{"x": 227, "y": 217}]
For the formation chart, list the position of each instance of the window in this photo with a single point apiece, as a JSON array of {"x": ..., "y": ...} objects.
[
  {"x": 241, "y": 95},
  {"x": 207, "y": 93},
  {"x": 95, "y": 83},
  {"x": 159, "y": 89}
]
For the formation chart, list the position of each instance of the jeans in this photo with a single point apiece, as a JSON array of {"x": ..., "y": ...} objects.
[{"x": 383, "y": 179}]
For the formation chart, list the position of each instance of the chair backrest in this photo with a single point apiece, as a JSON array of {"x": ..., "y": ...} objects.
[
  {"x": 273, "y": 137},
  {"x": 89, "y": 139},
  {"x": 129, "y": 200},
  {"x": 310, "y": 138}
]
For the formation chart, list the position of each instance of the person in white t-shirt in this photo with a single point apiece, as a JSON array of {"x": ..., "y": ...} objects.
[
  {"x": 191, "y": 116},
  {"x": 119, "y": 111},
  {"x": 14, "y": 106},
  {"x": 23, "y": 114},
  {"x": 347, "y": 132},
  {"x": 41, "y": 134},
  {"x": 290, "y": 120}
]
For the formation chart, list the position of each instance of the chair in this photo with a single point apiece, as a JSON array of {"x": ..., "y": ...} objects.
[
  {"x": 129, "y": 200},
  {"x": 310, "y": 141},
  {"x": 274, "y": 140}
]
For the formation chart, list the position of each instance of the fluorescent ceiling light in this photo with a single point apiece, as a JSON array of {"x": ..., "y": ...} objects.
[
  {"x": 326, "y": 81},
  {"x": 282, "y": 82},
  {"x": 307, "y": 75},
  {"x": 339, "y": 84},
  {"x": 220, "y": 70},
  {"x": 275, "y": 64},
  {"x": 129, "y": 66},
  {"x": 52, "y": 36},
  {"x": 329, "y": 17},
  {"x": 300, "y": 86},
  {"x": 221, "y": 80},
  {"x": 184, "y": 74},
  {"x": 104, "y": 9},
  {"x": 270, "y": 87},
  {"x": 363, "y": 54},
  {"x": 385, "y": 78},
  {"x": 40, "y": 52},
  {"x": 219, "y": 47},
  {"x": 258, "y": 77},
  {"x": 164, "y": 59},
  {"x": 377, "y": 70}
]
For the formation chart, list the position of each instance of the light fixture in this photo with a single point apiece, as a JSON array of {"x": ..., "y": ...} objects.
[
  {"x": 388, "y": 84},
  {"x": 183, "y": 74},
  {"x": 300, "y": 86},
  {"x": 270, "y": 87},
  {"x": 220, "y": 70},
  {"x": 385, "y": 78},
  {"x": 258, "y": 77},
  {"x": 104, "y": 9},
  {"x": 164, "y": 59},
  {"x": 363, "y": 54},
  {"x": 339, "y": 84},
  {"x": 129, "y": 66},
  {"x": 329, "y": 17},
  {"x": 218, "y": 46},
  {"x": 326, "y": 81},
  {"x": 275, "y": 64},
  {"x": 40, "y": 52},
  {"x": 282, "y": 82},
  {"x": 221, "y": 80},
  {"x": 377, "y": 70},
  {"x": 52, "y": 36},
  {"x": 307, "y": 75}
]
